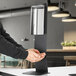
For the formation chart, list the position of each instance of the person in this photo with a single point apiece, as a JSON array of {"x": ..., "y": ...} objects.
[{"x": 10, "y": 47}]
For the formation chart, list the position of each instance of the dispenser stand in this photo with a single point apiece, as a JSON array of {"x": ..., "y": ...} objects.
[
  {"x": 39, "y": 30},
  {"x": 41, "y": 67}
]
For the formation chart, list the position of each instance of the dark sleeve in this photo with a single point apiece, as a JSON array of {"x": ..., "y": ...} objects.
[
  {"x": 10, "y": 49},
  {"x": 10, "y": 39}
]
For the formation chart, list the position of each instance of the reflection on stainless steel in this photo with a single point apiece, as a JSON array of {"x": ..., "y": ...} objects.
[{"x": 37, "y": 20}]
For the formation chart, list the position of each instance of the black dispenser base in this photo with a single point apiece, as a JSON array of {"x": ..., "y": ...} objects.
[
  {"x": 34, "y": 73},
  {"x": 72, "y": 74}
]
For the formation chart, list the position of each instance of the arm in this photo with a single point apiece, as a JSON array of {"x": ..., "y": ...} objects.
[{"x": 9, "y": 49}]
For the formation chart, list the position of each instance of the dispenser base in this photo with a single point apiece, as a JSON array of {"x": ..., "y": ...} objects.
[
  {"x": 34, "y": 73},
  {"x": 72, "y": 74}
]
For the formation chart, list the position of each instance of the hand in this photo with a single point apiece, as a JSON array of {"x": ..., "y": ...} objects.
[{"x": 34, "y": 55}]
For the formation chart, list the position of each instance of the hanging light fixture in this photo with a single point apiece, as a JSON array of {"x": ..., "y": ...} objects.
[
  {"x": 60, "y": 12},
  {"x": 52, "y": 6},
  {"x": 69, "y": 19}
]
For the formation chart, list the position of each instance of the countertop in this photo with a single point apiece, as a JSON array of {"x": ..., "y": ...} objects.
[
  {"x": 61, "y": 50},
  {"x": 53, "y": 71}
]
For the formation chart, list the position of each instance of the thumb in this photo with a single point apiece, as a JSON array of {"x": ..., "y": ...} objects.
[
  {"x": 35, "y": 50},
  {"x": 43, "y": 54}
]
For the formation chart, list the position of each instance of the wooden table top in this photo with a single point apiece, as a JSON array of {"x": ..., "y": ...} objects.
[
  {"x": 61, "y": 50},
  {"x": 69, "y": 57}
]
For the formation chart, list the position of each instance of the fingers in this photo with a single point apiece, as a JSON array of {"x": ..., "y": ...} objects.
[
  {"x": 37, "y": 59},
  {"x": 35, "y": 50},
  {"x": 34, "y": 55},
  {"x": 43, "y": 54},
  {"x": 37, "y": 55}
]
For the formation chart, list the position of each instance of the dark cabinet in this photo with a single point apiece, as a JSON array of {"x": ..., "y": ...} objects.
[{"x": 55, "y": 59}]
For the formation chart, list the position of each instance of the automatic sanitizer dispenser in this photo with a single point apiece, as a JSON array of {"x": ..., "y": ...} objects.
[{"x": 38, "y": 29}]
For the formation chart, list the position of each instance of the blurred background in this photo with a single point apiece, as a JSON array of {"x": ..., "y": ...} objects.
[{"x": 17, "y": 24}]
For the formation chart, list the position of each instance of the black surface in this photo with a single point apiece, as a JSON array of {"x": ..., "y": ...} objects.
[
  {"x": 72, "y": 74},
  {"x": 34, "y": 73},
  {"x": 5, "y": 74},
  {"x": 40, "y": 44}
]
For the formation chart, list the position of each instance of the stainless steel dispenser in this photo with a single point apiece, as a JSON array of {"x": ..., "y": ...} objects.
[
  {"x": 37, "y": 20},
  {"x": 39, "y": 29}
]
